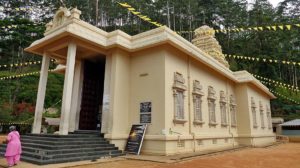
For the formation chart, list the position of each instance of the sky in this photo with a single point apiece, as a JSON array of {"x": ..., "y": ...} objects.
[{"x": 273, "y": 2}]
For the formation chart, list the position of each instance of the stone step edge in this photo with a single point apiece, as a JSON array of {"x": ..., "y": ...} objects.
[
  {"x": 71, "y": 155},
  {"x": 54, "y": 161}
]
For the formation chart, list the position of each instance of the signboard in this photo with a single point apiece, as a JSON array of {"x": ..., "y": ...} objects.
[
  {"x": 135, "y": 139},
  {"x": 145, "y": 112}
]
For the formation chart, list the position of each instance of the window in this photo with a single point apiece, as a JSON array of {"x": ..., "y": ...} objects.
[
  {"x": 253, "y": 109},
  {"x": 197, "y": 100},
  {"x": 269, "y": 117},
  {"x": 211, "y": 105},
  {"x": 178, "y": 92},
  {"x": 232, "y": 111},
  {"x": 223, "y": 108},
  {"x": 179, "y": 104},
  {"x": 262, "y": 122},
  {"x": 198, "y": 114}
]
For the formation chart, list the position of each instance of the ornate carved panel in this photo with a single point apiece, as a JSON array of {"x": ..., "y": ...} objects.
[
  {"x": 179, "y": 82},
  {"x": 211, "y": 93}
]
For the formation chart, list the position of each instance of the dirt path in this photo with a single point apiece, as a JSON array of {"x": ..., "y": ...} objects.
[{"x": 285, "y": 155}]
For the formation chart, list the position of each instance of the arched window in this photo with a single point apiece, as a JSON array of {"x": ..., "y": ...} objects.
[
  {"x": 211, "y": 98},
  {"x": 178, "y": 92},
  {"x": 197, "y": 100}
]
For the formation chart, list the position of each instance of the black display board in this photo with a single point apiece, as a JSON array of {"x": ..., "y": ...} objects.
[
  {"x": 135, "y": 139},
  {"x": 145, "y": 112}
]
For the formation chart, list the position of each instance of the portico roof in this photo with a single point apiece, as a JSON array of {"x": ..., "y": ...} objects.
[
  {"x": 92, "y": 41},
  {"x": 295, "y": 122}
]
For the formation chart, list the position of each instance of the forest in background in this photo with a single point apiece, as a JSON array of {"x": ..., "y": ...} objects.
[{"x": 23, "y": 21}]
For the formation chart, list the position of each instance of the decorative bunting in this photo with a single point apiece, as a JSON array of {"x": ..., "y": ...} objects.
[
  {"x": 259, "y": 28},
  {"x": 285, "y": 97},
  {"x": 286, "y": 62},
  {"x": 22, "y": 75},
  {"x": 22, "y": 64},
  {"x": 280, "y": 84},
  {"x": 134, "y": 12}
]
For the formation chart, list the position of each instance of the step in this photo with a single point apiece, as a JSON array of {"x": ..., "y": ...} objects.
[
  {"x": 86, "y": 132},
  {"x": 78, "y": 142},
  {"x": 81, "y": 145},
  {"x": 69, "y": 155},
  {"x": 62, "y": 136},
  {"x": 62, "y": 151},
  {"x": 38, "y": 153},
  {"x": 24, "y": 137},
  {"x": 63, "y": 160},
  {"x": 70, "y": 146}
]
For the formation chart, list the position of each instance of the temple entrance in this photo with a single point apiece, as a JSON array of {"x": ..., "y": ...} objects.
[{"x": 92, "y": 95}]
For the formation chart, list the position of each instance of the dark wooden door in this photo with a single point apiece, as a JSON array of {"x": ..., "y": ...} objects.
[{"x": 92, "y": 95}]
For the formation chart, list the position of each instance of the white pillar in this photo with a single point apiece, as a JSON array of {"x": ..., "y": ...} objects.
[
  {"x": 39, "y": 108},
  {"x": 68, "y": 88},
  {"x": 76, "y": 101}
]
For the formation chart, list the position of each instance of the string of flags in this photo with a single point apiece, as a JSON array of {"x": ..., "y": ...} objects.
[
  {"x": 257, "y": 28},
  {"x": 20, "y": 64},
  {"x": 26, "y": 122},
  {"x": 12, "y": 26},
  {"x": 136, "y": 13},
  {"x": 28, "y": 63},
  {"x": 27, "y": 8},
  {"x": 22, "y": 75},
  {"x": 277, "y": 85},
  {"x": 286, "y": 62},
  {"x": 260, "y": 28},
  {"x": 15, "y": 123},
  {"x": 285, "y": 97},
  {"x": 283, "y": 85}
]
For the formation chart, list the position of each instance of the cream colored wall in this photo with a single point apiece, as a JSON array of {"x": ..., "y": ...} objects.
[
  {"x": 177, "y": 61},
  {"x": 147, "y": 85},
  {"x": 148, "y": 75},
  {"x": 136, "y": 78},
  {"x": 259, "y": 96},
  {"x": 247, "y": 134},
  {"x": 243, "y": 111},
  {"x": 208, "y": 77}
]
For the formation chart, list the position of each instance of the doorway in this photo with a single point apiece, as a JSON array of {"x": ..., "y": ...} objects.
[{"x": 92, "y": 95}]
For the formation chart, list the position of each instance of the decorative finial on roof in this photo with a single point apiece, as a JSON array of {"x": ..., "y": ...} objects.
[
  {"x": 206, "y": 41},
  {"x": 62, "y": 16}
]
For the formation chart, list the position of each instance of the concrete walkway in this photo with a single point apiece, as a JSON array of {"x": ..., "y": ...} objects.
[
  {"x": 151, "y": 158},
  {"x": 3, "y": 163}
]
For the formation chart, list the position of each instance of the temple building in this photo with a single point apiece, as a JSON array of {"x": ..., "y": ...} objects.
[{"x": 184, "y": 92}]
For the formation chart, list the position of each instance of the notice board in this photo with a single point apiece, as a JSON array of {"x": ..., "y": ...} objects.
[
  {"x": 145, "y": 112},
  {"x": 135, "y": 139}
]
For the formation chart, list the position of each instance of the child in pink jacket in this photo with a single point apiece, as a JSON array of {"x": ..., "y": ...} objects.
[{"x": 13, "y": 149}]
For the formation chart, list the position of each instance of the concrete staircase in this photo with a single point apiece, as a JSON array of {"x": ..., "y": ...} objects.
[{"x": 45, "y": 149}]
